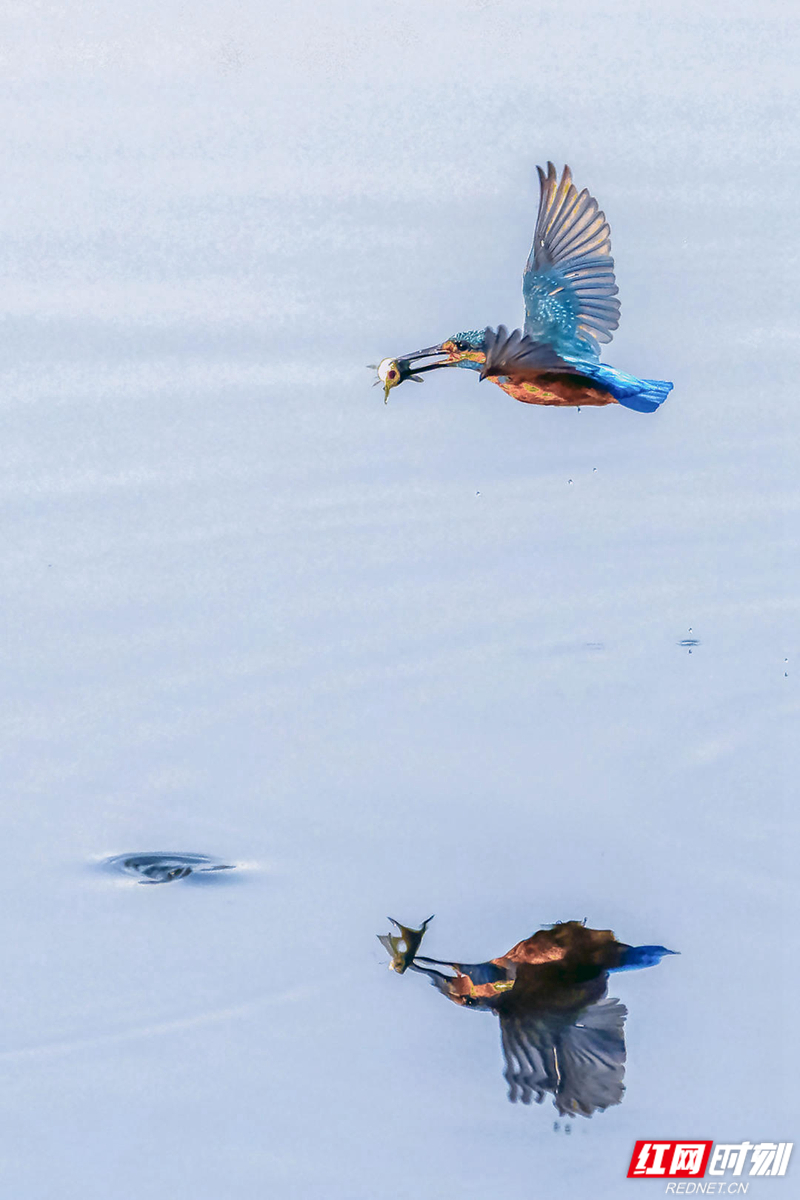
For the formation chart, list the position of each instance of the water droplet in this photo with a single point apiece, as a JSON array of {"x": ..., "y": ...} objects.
[
  {"x": 569, "y": 481},
  {"x": 594, "y": 469},
  {"x": 477, "y": 493}
]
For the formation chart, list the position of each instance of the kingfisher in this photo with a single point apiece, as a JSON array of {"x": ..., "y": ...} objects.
[
  {"x": 561, "y": 1034},
  {"x": 571, "y": 308}
]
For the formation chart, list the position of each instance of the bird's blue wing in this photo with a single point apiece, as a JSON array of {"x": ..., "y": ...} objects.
[{"x": 568, "y": 284}]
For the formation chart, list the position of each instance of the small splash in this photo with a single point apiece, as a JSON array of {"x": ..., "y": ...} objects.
[{"x": 162, "y": 867}]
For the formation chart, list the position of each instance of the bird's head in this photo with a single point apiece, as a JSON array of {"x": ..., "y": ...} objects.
[
  {"x": 464, "y": 350},
  {"x": 461, "y": 350}
]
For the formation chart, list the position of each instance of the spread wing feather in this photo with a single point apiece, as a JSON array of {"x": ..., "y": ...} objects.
[
  {"x": 580, "y": 1061},
  {"x": 568, "y": 284},
  {"x": 516, "y": 354}
]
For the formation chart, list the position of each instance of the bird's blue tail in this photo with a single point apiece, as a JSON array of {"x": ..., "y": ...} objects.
[
  {"x": 651, "y": 395},
  {"x": 642, "y": 395},
  {"x": 635, "y": 957}
]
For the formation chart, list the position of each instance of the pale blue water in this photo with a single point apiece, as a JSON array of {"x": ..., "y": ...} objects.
[{"x": 387, "y": 660}]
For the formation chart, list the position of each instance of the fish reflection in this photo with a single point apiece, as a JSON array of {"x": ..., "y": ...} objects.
[
  {"x": 403, "y": 946},
  {"x": 561, "y": 1034}
]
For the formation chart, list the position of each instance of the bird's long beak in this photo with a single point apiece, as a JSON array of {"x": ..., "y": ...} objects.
[
  {"x": 394, "y": 371},
  {"x": 407, "y": 362}
]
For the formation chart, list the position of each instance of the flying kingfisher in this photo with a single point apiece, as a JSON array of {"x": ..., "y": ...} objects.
[
  {"x": 571, "y": 307},
  {"x": 561, "y": 1035}
]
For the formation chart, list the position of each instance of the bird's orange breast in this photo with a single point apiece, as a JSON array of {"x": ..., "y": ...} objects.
[{"x": 556, "y": 388}]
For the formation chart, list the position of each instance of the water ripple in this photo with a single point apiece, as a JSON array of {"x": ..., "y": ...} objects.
[{"x": 161, "y": 867}]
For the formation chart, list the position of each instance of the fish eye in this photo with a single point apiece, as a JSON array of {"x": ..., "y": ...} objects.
[{"x": 388, "y": 370}]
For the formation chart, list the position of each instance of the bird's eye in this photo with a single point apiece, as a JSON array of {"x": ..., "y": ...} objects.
[{"x": 462, "y": 345}]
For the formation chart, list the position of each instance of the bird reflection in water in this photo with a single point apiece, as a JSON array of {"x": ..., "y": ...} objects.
[{"x": 561, "y": 1033}]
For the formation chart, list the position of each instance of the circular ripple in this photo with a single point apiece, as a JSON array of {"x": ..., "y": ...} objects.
[{"x": 164, "y": 868}]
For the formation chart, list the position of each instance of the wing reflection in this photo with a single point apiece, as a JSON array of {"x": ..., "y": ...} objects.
[
  {"x": 571, "y": 1049},
  {"x": 561, "y": 1034}
]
